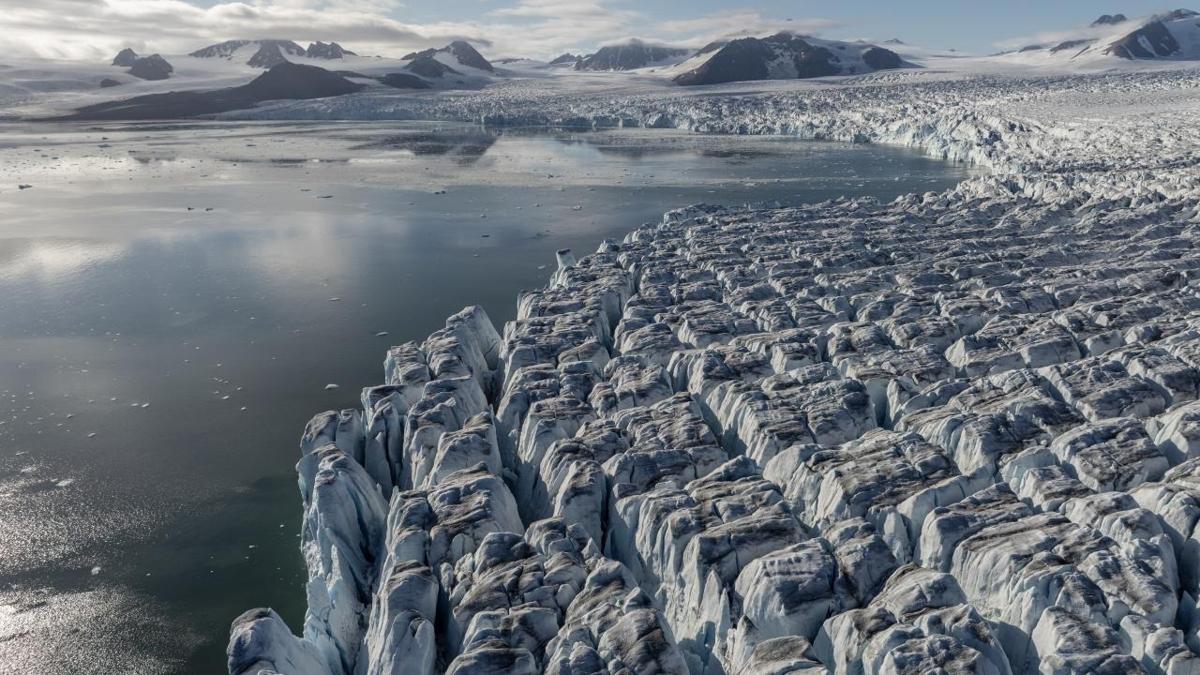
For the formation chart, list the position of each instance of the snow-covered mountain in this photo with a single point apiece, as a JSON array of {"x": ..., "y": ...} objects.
[
  {"x": 321, "y": 50},
  {"x": 125, "y": 58},
  {"x": 268, "y": 53},
  {"x": 630, "y": 55},
  {"x": 1174, "y": 35},
  {"x": 153, "y": 67},
  {"x": 1110, "y": 20},
  {"x": 454, "y": 55},
  {"x": 256, "y": 53},
  {"x": 225, "y": 77},
  {"x": 567, "y": 59},
  {"x": 43, "y": 88},
  {"x": 783, "y": 56}
]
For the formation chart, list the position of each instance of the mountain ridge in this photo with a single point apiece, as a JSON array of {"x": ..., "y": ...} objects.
[
  {"x": 783, "y": 56},
  {"x": 629, "y": 55},
  {"x": 284, "y": 81}
]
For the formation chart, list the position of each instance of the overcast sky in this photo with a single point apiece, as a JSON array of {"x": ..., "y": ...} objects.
[{"x": 94, "y": 29}]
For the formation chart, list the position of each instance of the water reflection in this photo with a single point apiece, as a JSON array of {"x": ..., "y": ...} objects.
[
  {"x": 465, "y": 147},
  {"x": 34, "y": 259}
]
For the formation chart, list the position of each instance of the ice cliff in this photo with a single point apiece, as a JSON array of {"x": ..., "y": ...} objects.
[{"x": 959, "y": 432}]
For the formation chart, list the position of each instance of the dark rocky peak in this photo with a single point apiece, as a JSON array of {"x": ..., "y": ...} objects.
[
  {"x": 784, "y": 56},
  {"x": 289, "y": 80},
  {"x": 1153, "y": 40},
  {"x": 153, "y": 67},
  {"x": 462, "y": 52},
  {"x": 628, "y": 56},
  {"x": 270, "y": 52},
  {"x": 1110, "y": 20},
  {"x": 878, "y": 58},
  {"x": 738, "y": 60},
  {"x": 284, "y": 81},
  {"x": 220, "y": 50},
  {"x": 465, "y": 54},
  {"x": 332, "y": 50},
  {"x": 268, "y": 55},
  {"x": 125, "y": 58},
  {"x": 427, "y": 66}
]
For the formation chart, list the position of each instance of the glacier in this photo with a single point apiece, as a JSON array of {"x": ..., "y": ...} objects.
[{"x": 957, "y": 432}]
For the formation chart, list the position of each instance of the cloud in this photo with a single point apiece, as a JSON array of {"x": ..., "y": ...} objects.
[
  {"x": 96, "y": 29},
  {"x": 565, "y": 10},
  {"x": 724, "y": 25},
  {"x": 698, "y": 31},
  {"x": 550, "y": 27},
  {"x": 579, "y": 25}
]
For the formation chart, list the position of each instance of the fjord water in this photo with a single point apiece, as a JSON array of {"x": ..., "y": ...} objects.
[{"x": 174, "y": 300}]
